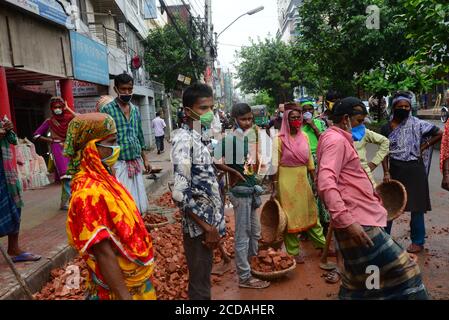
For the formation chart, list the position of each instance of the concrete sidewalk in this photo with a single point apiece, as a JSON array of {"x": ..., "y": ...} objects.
[{"x": 43, "y": 232}]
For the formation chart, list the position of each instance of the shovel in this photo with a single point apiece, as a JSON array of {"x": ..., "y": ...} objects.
[{"x": 17, "y": 274}]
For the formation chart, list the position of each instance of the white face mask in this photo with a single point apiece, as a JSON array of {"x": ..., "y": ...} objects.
[
  {"x": 58, "y": 111},
  {"x": 281, "y": 114}
]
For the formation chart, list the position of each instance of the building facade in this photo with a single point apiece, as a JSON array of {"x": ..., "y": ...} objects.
[
  {"x": 288, "y": 16},
  {"x": 73, "y": 49}
]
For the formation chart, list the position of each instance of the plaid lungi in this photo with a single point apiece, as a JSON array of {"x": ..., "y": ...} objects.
[{"x": 399, "y": 276}]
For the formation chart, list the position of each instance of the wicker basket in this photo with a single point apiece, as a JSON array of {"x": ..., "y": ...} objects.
[
  {"x": 274, "y": 274},
  {"x": 273, "y": 222},
  {"x": 394, "y": 198},
  {"x": 151, "y": 226}
]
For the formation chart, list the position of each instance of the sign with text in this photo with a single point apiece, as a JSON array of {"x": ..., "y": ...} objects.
[
  {"x": 90, "y": 59},
  {"x": 48, "y": 9},
  {"x": 86, "y": 105}
]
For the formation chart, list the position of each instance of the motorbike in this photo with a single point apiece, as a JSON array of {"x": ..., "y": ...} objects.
[{"x": 444, "y": 114}]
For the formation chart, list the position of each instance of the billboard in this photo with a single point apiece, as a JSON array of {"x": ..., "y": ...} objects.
[
  {"x": 48, "y": 9},
  {"x": 90, "y": 59}
]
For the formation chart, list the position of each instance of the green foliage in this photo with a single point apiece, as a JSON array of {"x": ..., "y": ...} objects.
[
  {"x": 428, "y": 26},
  {"x": 263, "y": 97},
  {"x": 335, "y": 39},
  {"x": 269, "y": 65},
  {"x": 167, "y": 55},
  {"x": 399, "y": 76}
]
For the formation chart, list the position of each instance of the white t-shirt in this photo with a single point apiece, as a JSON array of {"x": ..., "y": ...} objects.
[{"x": 158, "y": 126}]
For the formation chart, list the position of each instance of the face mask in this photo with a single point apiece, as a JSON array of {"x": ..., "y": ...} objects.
[
  {"x": 112, "y": 159},
  {"x": 206, "y": 119},
  {"x": 281, "y": 114},
  {"x": 401, "y": 114},
  {"x": 57, "y": 112},
  {"x": 358, "y": 132},
  {"x": 125, "y": 98},
  {"x": 307, "y": 115},
  {"x": 295, "y": 124}
]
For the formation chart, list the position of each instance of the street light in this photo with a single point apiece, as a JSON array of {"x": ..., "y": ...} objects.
[{"x": 250, "y": 13}]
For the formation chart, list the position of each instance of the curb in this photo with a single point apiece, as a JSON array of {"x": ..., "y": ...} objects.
[
  {"x": 39, "y": 277},
  {"x": 429, "y": 117},
  {"x": 156, "y": 184}
]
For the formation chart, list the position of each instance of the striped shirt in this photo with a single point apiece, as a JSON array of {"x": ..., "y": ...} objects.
[{"x": 129, "y": 133}]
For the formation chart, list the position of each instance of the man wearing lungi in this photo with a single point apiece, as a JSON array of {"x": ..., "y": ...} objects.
[{"x": 375, "y": 266}]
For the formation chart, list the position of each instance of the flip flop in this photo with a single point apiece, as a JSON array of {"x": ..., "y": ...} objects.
[
  {"x": 26, "y": 256},
  {"x": 332, "y": 277}
]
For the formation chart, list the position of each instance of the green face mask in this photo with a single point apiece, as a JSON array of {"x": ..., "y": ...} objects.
[{"x": 206, "y": 119}]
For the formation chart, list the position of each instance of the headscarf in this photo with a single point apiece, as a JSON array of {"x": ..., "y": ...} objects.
[
  {"x": 101, "y": 208},
  {"x": 59, "y": 123},
  {"x": 444, "y": 153},
  {"x": 82, "y": 129},
  {"x": 296, "y": 149},
  {"x": 401, "y": 98}
]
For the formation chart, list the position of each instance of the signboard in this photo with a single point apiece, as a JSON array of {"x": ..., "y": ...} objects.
[
  {"x": 80, "y": 89},
  {"x": 90, "y": 59},
  {"x": 150, "y": 9},
  {"x": 48, "y": 9},
  {"x": 86, "y": 105}
]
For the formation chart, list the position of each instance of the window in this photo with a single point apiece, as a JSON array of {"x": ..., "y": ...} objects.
[{"x": 81, "y": 4}]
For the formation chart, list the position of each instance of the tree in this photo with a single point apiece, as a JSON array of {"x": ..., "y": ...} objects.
[
  {"x": 334, "y": 37},
  {"x": 264, "y": 98},
  {"x": 269, "y": 66},
  {"x": 427, "y": 25},
  {"x": 167, "y": 55},
  {"x": 386, "y": 80}
]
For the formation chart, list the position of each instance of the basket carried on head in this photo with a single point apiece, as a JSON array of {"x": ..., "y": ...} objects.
[
  {"x": 273, "y": 222},
  {"x": 394, "y": 198}
]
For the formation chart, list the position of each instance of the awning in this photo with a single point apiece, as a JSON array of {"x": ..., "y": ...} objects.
[{"x": 26, "y": 77}]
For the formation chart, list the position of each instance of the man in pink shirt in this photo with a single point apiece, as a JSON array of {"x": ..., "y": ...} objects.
[{"x": 375, "y": 266}]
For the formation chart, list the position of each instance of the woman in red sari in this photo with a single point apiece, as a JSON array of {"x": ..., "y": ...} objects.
[{"x": 103, "y": 222}]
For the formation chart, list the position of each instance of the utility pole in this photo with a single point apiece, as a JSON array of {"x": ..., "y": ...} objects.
[{"x": 209, "y": 41}]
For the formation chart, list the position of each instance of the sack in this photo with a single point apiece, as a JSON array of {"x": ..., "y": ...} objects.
[{"x": 51, "y": 164}]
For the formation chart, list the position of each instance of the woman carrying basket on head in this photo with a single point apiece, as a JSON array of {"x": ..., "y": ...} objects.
[{"x": 291, "y": 185}]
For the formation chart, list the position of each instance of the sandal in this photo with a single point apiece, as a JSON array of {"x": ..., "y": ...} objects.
[
  {"x": 332, "y": 277},
  {"x": 415, "y": 248},
  {"x": 254, "y": 283},
  {"x": 25, "y": 257},
  {"x": 299, "y": 259}
]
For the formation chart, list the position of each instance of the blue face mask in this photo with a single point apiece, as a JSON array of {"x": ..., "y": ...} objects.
[{"x": 358, "y": 132}]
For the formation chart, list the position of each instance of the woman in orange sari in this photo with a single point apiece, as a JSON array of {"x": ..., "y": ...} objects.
[{"x": 103, "y": 223}]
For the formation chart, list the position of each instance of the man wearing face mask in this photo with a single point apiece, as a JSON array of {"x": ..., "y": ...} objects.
[
  {"x": 57, "y": 124},
  {"x": 196, "y": 190},
  {"x": 359, "y": 218},
  {"x": 411, "y": 140},
  {"x": 133, "y": 160}
]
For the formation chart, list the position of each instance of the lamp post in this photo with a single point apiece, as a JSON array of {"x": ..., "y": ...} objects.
[{"x": 250, "y": 13}]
